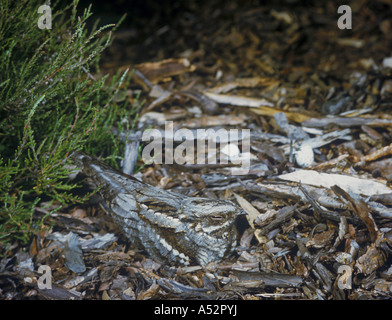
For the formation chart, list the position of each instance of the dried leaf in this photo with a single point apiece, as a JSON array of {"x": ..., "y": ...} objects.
[
  {"x": 211, "y": 121},
  {"x": 206, "y": 103},
  {"x": 320, "y": 140},
  {"x": 105, "y": 296},
  {"x": 383, "y": 152},
  {"x": 73, "y": 254},
  {"x": 156, "y": 71},
  {"x": 320, "y": 240},
  {"x": 361, "y": 209},
  {"x": 269, "y": 112},
  {"x": 384, "y": 198},
  {"x": 371, "y": 260},
  {"x": 150, "y": 293},
  {"x": 252, "y": 212},
  {"x": 238, "y": 100},
  {"x": 243, "y": 83},
  {"x": 273, "y": 219}
]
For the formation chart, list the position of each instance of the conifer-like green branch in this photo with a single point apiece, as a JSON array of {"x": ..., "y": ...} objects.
[{"x": 53, "y": 100}]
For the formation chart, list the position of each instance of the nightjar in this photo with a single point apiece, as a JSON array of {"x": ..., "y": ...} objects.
[{"x": 172, "y": 228}]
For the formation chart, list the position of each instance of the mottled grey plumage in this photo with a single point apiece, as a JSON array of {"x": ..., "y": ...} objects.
[{"x": 171, "y": 227}]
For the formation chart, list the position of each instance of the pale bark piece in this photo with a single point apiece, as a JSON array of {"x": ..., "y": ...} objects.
[{"x": 365, "y": 187}]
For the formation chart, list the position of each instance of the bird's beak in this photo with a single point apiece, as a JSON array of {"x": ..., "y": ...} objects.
[{"x": 241, "y": 213}]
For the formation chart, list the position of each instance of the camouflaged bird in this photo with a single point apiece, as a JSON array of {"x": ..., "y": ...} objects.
[{"x": 172, "y": 228}]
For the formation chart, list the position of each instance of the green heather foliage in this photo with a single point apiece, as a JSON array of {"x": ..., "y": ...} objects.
[{"x": 50, "y": 105}]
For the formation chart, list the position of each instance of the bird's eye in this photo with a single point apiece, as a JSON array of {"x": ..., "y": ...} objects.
[{"x": 216, "y": 217}]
